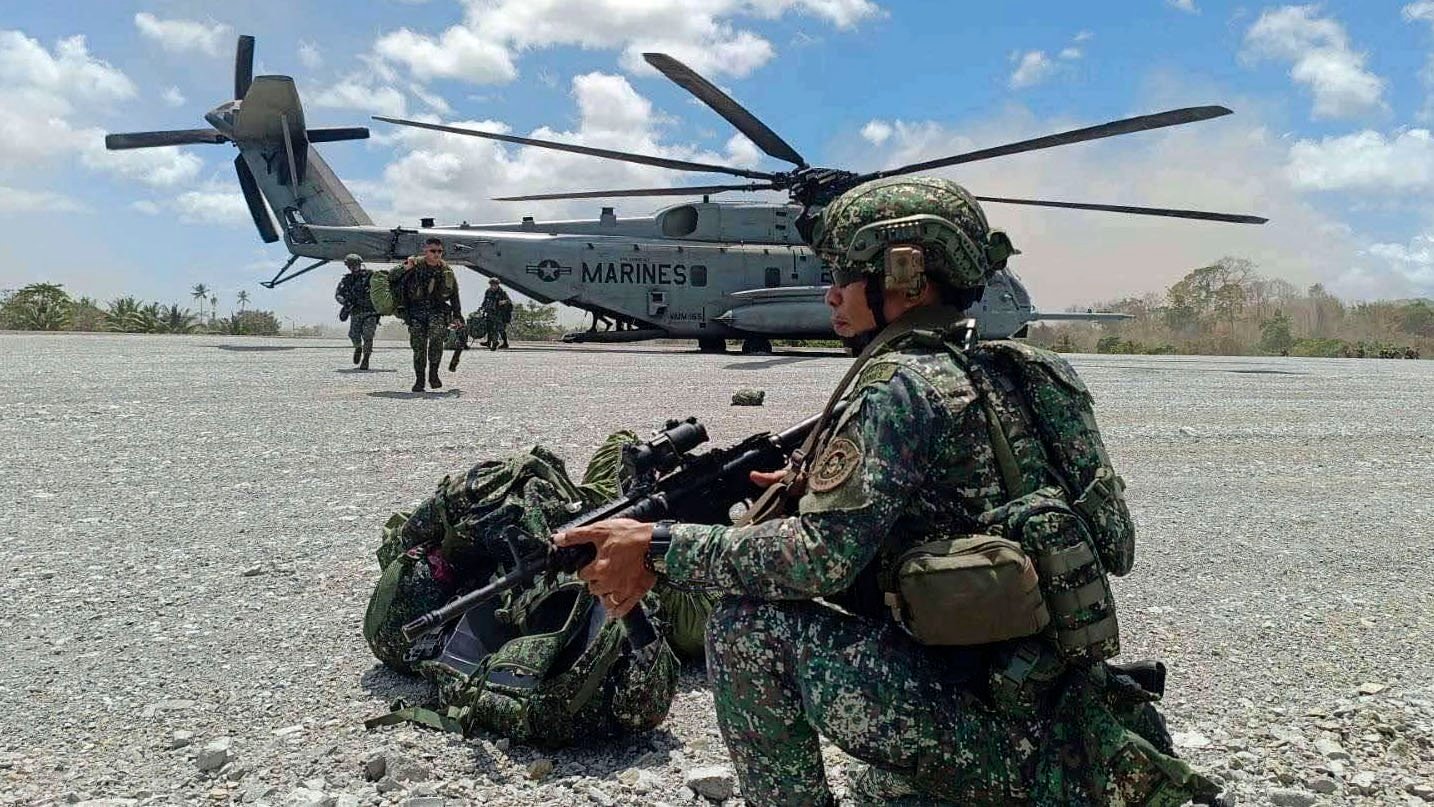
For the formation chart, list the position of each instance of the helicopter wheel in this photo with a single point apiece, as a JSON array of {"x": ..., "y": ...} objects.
[
  {"x": 757, "y": 346},
  {"x": 712, "y": 345}
]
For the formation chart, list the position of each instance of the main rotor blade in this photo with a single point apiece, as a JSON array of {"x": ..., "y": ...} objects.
[
  {"x": 691, "y": 189},
  {"x": 1174, "y": 117},
  {"x": 243, "y": 66},
  {"x": 333, "y": 134},
  {"x": 255, "y": 201},
  {"x": 176, "y": 137},
  {"x": 1233, "y": 218},
  {"x": 660, "y": 162},
  {"x": 722, "y": 103}
]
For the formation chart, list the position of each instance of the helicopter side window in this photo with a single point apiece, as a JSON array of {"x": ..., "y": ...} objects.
[
  {"x": 697, "y": 275},
  {"x": 679, "y": 222},
  {"x": 774, "y": 277}
]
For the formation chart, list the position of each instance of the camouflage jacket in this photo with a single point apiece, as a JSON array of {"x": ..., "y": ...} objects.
[
  {"x": 353, "y": 291},
  {"x": 909, "y": 461},
  {"x": 430, "y": 289}
]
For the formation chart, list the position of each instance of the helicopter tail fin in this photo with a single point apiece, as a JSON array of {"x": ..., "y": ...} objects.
[{"x": 278, "y": 162}]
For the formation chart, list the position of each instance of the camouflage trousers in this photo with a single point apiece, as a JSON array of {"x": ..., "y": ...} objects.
[
  {"x": 784, "y": 672},
  {"x": 362, "y": 327},
  {"x": 426, "y": 332}
]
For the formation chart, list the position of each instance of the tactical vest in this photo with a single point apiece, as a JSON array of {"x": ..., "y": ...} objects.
[{"x": 427, "y": 288}]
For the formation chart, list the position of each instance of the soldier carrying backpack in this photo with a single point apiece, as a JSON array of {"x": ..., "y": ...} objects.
[{"x": 926, "y": 583}]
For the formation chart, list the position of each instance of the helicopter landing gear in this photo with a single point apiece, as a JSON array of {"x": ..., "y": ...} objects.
[
  {"x": 712, "y": 344},
  {"x": 757, "y": 346}
]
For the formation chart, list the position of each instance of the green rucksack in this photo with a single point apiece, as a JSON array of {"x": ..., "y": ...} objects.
[
  {"x": 383, "y": 291},
  {"x": 541, "y": 664},
  {"x": 1063, "y": 413}
]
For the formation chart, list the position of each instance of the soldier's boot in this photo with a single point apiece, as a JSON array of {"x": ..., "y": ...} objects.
[
  {"x": 434, "y": 381},
  {"x": 453, "y": 362},
  {"x": 358, "y": 353},
  {"x": 367, "y": 351},
  {"x": 418, "y": 374},
  {"x": 505, "y": 342}
]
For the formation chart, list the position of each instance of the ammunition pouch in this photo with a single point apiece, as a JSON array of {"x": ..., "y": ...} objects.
[
  {"x": 972, "y": 590},
  {"x": 1073, "y": 581}
]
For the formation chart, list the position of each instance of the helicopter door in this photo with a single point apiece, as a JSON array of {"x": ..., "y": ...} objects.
[{"x": 656, "y": 303}]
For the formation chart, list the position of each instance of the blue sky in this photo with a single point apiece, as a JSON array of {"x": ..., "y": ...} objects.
[{"x": 1330, "y": 137}]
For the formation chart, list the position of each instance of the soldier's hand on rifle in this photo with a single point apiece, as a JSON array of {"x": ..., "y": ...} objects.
[
  {"x": 765, "y": 479},
  {"x": 617, "y": 576}
]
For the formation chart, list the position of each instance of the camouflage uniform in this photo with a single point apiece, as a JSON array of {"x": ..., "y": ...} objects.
[
  {"x": 430, "y": 300},
  {"x": 497, "y": 310},
  {"x": 910, "y": 460},
  {"x": 353, "y": 294}
]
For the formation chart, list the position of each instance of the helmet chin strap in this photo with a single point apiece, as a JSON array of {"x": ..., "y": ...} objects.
[{"x": 876, "y": 300}]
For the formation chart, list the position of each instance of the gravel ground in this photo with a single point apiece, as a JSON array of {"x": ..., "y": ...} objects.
[{"x": 187, "y": 528}]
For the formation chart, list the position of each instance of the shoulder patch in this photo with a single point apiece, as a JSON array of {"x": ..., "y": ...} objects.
[
  {"x": 876, "y": 372},
  {"x": 836, "y": 464}
]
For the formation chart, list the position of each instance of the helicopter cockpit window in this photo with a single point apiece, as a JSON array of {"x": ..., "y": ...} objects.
[
  {"x": 697, "y": 275},
  {"x": 679, "y": 222}
]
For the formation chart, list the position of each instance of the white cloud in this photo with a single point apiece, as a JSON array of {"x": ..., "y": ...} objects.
[
  {"x": 183, "y": 36},
  {"x": 1032, "y": 68},
  {"x": 70, "y": 72},
  {"x": 1322, "y": 59},
  {"x": 1083, "y": 36},
  {"x": 1409, "y": 266},
  {"x": 164, "y": 167},
  {"x": 877, "y": 132},
  {"x": 1071, "y": 53},
  {"x": 146, "y": 207},
  {"x": 1420, "y": 10},
  {"x": 309, "y": 55},
  {"x": 1187, "y": 6},
  {"x": 704, "y": 34},
  {"x": 20, "y": 200},
  {"x": 457, "y": 53},
  {"x": 215, "y": 205},
  {"x": 354, "y": 92},
  {"x": 452, "y": 177},
  {"x": 1366, "y": 161},
  {"x": 173, "y": 97},
  {"x": 52, "y": 88}
]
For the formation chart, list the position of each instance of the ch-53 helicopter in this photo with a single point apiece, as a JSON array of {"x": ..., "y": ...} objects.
[{"x": 698, "y": 270}]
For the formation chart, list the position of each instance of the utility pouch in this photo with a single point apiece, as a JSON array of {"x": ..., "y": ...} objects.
[{"x": 971, "y": 590}]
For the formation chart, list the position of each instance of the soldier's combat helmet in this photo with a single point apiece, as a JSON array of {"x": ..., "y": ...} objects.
[
  {"x": 958, "y": 247},
  {"x": 353, "y": 259}
]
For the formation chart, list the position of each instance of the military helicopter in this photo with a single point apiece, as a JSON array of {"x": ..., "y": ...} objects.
[{"x": 699, "y": 270}]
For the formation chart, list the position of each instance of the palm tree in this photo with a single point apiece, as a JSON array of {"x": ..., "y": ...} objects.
[
  {"x": 178, "y": 320},
  {"x": 243, "y": 298},
  {"x": 200, "y": 292}
]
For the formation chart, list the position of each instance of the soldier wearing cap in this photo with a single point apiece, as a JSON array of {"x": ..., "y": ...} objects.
[{"x": 356, "y": 307}]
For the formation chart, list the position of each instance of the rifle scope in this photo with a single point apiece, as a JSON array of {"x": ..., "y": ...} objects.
[{"x": 664, "y": 451}]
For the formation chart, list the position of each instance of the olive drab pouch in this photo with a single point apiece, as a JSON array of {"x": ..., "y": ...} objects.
[
  {"x": 1073, "y": 582},
  {"x": 1062, "y": 412},
  {"x": 971, "y": 590}
]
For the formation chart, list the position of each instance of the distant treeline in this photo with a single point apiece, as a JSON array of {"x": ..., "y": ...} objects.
[
  {"x": 1227, "y": 309},
  {"x": 48, "y": 307}
]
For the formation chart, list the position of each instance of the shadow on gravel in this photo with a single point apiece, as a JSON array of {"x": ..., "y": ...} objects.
[
  {"x": 256, "y": 348},
  {"x": 357, "y": 371},
  {"x": 448, "y": 393},
  {"x": 763, "y": 365},
  {"x": 561, "y": 348}
]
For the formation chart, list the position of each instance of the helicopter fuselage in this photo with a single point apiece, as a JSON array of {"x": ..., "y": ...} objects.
[{"x": 698, "y": 270}]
